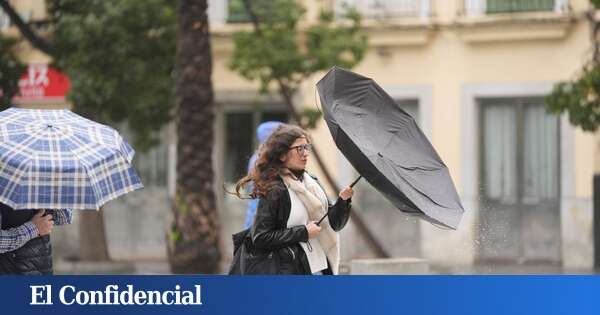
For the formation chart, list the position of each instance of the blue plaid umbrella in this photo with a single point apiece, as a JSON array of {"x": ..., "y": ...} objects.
[{"x": 55, "y": 159}]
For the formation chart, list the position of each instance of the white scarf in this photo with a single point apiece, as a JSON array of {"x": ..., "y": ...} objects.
[{"x": 315, "y": 201}]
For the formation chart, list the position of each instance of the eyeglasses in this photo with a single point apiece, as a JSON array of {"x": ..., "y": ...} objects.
[{"x": 302, "y": 148}]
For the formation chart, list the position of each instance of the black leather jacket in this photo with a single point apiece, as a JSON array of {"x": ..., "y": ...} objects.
[{"x": 271, "y": 234}]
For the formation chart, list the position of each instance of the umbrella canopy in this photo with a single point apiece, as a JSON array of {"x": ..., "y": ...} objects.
[
  {"x": 55, "y": 159},
  {"x": 385, "y": 145}
]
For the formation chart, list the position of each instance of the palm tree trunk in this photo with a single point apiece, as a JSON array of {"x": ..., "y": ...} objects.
[
  {"x": 92, "y": 236},
  {"x": 193, "y": 240},
  {"x": 93, "y": 244}
]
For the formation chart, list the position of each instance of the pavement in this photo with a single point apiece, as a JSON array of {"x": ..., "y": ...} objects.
[{"x": 161, "y": 267}]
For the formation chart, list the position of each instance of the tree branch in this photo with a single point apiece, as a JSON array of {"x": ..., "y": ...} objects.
[
  {"x": 594, "y": 29},
  {"x": 252, "y": 14},
  {"x": 35, "y": 40}
]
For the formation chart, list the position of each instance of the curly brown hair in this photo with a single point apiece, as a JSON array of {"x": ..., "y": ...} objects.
[{"x": 265, "y": 172}]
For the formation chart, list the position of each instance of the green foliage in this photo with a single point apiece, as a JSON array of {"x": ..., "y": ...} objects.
[
  {"x": 579, "y": 98},
  {"x": 10, "y": 71},
  {"x": 328, "y": 45},
  {"x": 175, "y": 236},
  {"x": 279, "y": 51},
  {"x": 310, "y": 118},
  {"x": 119, "y": 55},
  {"x": 236, "y": 12},
  {"x": 181, "y": 204}
]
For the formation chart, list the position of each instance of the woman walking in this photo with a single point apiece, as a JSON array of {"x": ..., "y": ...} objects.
[{"x": 285, "y": 235}]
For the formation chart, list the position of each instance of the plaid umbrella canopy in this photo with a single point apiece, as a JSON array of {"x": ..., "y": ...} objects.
[{"x": 55, "y": 159}]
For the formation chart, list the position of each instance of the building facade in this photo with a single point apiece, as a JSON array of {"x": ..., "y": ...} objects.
[{"x": 473, "y": 73}]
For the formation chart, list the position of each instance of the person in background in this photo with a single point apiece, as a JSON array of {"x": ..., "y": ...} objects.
[
  {"x": 263, "y": 132},
  {"x": 25, "y": 239}
]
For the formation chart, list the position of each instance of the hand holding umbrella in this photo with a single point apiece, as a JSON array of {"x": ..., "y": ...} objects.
[
  {"x": 43, "y": 222},
  {"x": 345, "y": 194}
]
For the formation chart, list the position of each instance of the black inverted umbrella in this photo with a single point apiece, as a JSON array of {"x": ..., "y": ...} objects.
[{"x": 387, "y": 148}]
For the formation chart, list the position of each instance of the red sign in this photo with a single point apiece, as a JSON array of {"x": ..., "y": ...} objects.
[{"x": 41, "y": 83}]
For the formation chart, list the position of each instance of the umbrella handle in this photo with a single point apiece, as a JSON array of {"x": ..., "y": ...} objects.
[
  {"x": 326, "y": 214},
  {"x": 355, "y": 181},
  {"x": 351, "y": 185}
]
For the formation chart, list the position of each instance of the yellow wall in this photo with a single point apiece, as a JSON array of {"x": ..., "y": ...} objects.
[
  {"x": 446, "y": 53},
  {"x": 32, "y": 10},
  {"x": 432, "y": 53},
  {"x": 449, "y": 52}
]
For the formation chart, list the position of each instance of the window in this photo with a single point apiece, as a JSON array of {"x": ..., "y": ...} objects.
[
  {"x": 480, "y": 7},
  {"x": 502, "y": 6},
  {"x": 520, "y": 167},
  {"x": 500, "y": 160},
  {"x": 386, "y": 8},
  {"x": 152, "y": 165},
  {"x": 236, "y": 11},
  {"x": 239, "y": 144},
  {"x": 520, "y": 154},
  {"x": 241, "y": 140}
]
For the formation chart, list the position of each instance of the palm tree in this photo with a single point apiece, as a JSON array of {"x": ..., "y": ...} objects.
[{"x": 193, "y": 242}]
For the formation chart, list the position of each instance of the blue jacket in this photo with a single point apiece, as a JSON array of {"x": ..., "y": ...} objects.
[{"x": 263, "y": 132}]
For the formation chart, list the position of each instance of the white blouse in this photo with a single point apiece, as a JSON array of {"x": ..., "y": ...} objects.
[{"x": 314, "y": 252}]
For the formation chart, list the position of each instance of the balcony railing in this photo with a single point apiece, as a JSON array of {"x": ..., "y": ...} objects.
[
  {"x": 383, "y": 9},
  {"x": 378, "y": 9},
  {"x": 504, "y": 6},
  {"x": 481, "y": 7},
  {"x": 236, "y": 12}
]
